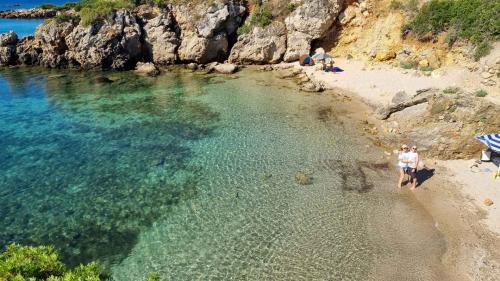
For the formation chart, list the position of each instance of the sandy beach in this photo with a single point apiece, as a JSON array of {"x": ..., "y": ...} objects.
[{"x": 454, "y": 194}]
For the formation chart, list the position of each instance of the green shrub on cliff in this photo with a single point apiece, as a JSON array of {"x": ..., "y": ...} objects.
[
  {"x": 262, "y": 16},
  {"x": 475, "y": 20},
  {"x": 95, "y": 10},
  {"x": 27, "y": 263},
  {"x": 47, "y": 6}
]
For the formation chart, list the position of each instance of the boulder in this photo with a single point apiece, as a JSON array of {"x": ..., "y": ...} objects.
[
  {"x": 114, "y": 43},
  {"x": 311, "y": 87},
  {"x": 310, "y": 21},
  {"x": 226, "y": 68},
  {"x": 206, "y": 29},
  {"x": 8, "y": 48},
  {"x": 28, "y": 51},
  {"x": 9, "y": 38},
  {"x": 50, "y": 38},
  {"x": 147, "y": 68},
  {"x": 161, "y": 36},
  {"x": 385, "y": 55},
  {"x": 261, "y": 45}
]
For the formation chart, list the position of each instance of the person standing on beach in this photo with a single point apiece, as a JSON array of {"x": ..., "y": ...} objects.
[
  {"x": 403, "y": 160},
  {"x": 412, "y": 165}
]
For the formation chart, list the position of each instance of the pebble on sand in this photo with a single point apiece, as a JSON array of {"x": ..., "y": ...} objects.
[{"x": 488, "y": 202}]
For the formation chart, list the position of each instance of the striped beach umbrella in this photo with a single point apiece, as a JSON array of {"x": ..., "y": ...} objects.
[{"x": 492, "y": 141}]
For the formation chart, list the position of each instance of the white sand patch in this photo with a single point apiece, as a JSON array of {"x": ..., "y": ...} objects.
[
  {"x": 377, "y": 84},
  {"x": 478, "y": 184}
]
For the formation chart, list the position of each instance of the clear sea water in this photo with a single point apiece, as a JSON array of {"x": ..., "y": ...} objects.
[
  {"x": 192, "y": 176},
  {"x": 27, "y": 4}
]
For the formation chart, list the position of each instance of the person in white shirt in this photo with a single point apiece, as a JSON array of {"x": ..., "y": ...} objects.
[
  {"x": 412, "y": 165},
  {"x": 403, "y": 163}
]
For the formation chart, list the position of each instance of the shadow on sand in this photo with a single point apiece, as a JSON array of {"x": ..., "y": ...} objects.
[{"x": 423, "y": 175}]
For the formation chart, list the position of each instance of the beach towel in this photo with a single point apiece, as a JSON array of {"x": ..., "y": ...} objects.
[{"x": 335, "y": 69}]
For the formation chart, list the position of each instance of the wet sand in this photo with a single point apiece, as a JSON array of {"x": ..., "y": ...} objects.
[{"x": 450, "y": 203}]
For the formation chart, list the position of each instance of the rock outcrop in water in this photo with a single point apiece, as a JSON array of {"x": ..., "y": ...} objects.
[
  {"x": 8, "y": 43},
  {"x": 178, "y": 33},
  {"x": 34, "y": 13}
]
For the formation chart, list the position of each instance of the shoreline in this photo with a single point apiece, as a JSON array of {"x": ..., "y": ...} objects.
[
  {"x": 450, "y": 195},
  {"x": 471, "y": 252}
]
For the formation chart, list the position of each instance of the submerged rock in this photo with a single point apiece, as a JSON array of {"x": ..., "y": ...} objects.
[
  {"x": 226, "y": 68},
  {"x": 147, "y": 68},
  {"x": 303, "y": 178}
]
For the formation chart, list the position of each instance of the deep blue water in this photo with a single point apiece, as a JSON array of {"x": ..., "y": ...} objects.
[
  {"x": 22, "y": 27},
  {"x": 26, "y": 4}
]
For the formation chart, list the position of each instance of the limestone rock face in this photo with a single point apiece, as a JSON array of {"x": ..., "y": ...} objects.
[
  {"x": 161, "y": 36},
  {"x": 8, "y": 48},
  {"x": 115, "y": 43},
  {"x": 27, "y": 51},
  {"x": 206, "y": 29},
  {"x": 51, "y": 39},
  {"x": 262, "y": 45},
  {"x": 308, "y": 22}
]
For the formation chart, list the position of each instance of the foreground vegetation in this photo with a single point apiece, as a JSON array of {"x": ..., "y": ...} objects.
[
  {"x": 26, "y": 263},
  {"x": 475, "y": 20},
  {"x": 42, "y": 263}
]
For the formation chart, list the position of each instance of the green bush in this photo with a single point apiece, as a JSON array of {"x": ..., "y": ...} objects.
[
  {"x": 30, "y": 262},
  {"x": 153, "y": 276},
  {"x": 451, "y": 90},
  {"x": 481, "y": 93},
  {"x": 95, "y": 10},
  {"x": 409, "y": 64},
  {"x": 291, "y": 7},
  {"x": 262, "y": 16},
  {"x": 70, "y": 5},
  {"x": 244, "y": 29},
  {"x": 396, "y": 5},
  {"x": 47, "y": 6},
  {"x": 27, "y": 263},
  {"x": 63, "y": 17},
  {"x": 474, "y": 20}
]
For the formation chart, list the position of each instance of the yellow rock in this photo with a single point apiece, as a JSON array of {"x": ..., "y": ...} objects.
[
  {"x": 423, "y": 63},
  {"x": 385, "y": 55},
  {"x": 488, "y": 202}
]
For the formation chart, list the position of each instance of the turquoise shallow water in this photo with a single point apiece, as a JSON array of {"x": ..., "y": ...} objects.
[{"x": 192, "y": 176}]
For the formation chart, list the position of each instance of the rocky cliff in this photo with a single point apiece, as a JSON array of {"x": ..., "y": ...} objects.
[{"x": 176, "y": 33}]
